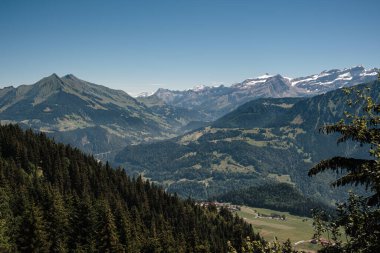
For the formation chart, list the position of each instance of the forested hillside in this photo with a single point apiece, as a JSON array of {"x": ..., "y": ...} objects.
[
  {"x": 263, "y": 140},
  {"x": 278, "y": 196},
  {"x": 54, "y": 198}
]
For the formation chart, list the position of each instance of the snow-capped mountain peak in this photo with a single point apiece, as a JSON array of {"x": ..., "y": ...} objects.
[
  {"x": 333, "y": 79},
  {"x": 199, "y": 87},
  {"x": 271, "y": 86},
  {"x": 216, "y": 101},
  {"x": 144, "y": 94},
  {"x": 254, "y": 81},
  {"x": 266, "y": 76}
]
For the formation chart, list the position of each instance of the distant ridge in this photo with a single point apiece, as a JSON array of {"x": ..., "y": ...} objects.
[{"x": 216, "y": 101}]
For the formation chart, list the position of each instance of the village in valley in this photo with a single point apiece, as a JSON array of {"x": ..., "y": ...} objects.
[{"x": 218, "y": 205}]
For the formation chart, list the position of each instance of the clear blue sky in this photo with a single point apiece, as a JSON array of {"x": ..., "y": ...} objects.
[{"x": 142, "y": 45}]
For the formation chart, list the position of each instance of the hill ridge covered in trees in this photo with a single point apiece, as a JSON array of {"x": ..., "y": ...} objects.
[
  {"x": 54, "y": 198},
  {"x": 277, "y": 196}
]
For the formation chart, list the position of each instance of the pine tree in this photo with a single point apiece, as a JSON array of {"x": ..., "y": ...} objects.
[
  {"x": 123, "y": 223},
  {"x": 82, "y": 224},
  {"x": 107, "y": 237},
  {"x": 5, "y": 224},
  {"x": 58, "y": 223},
  {"x": 33, "y": 235},
  {"x": 138, "y": 230}
]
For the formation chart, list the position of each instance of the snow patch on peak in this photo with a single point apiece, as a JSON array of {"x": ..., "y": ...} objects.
[
  {"x": 199, "y": 87},
  {"x": 255, "y": 81},
  {"x": 266, "y": 76},
  {"x": 144, "y": 94},
  {"x": 312, "y": 84},
  {"x": 306, "y": 79},
  {"x": 371, "y": 72},
  {"x": 322, "y": 74},
  {"x": 344, "y": 76}
]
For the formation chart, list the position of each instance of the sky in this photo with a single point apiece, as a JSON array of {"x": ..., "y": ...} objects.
[{"x": 142, "y": 45}]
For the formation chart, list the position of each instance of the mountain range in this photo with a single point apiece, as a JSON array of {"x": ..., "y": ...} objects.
[
  {"x": 200, "y": 142},
  {"x": 214, "y": 102},
  {"x": 267, "y": 139},
  {"x": 91, "y": 117}
]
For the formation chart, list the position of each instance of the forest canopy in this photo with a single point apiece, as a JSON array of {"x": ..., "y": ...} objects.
[{"x": 54, "y": 198}]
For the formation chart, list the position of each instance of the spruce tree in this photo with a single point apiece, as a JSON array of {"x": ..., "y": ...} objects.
[
  {"x": 58, "y": 223},
  {"x": 5, "y": 221},
  {"x": 33, "y": 234},
  {"x": 107, "y": 237}
]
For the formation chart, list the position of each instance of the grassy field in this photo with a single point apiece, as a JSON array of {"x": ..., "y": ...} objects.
[{"x": 295, "y": 228}]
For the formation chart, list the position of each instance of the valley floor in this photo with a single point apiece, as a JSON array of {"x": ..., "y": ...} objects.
[{"x": 298, "y": 229}]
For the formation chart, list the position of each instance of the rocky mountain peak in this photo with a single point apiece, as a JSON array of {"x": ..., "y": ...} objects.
[
  {"x": 70, "y": 76},
  {"x": 52, "y": 78},
  {"x": 49, "y": 84}
]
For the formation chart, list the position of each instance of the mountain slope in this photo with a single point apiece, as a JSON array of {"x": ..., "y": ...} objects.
[
  {"x": 333, "y": 79},
  {"x": 180, "y": 118},
  {"x": 276, "y": 196},
  {"x": 89, "y": 116},
  {"x": 263, "y": 140},
  {"x": 55, "y": 198},
  {"x": 214, "y": 102}
]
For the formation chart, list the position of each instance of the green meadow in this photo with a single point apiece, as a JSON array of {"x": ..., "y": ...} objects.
[{"x": 296, "y": 228}]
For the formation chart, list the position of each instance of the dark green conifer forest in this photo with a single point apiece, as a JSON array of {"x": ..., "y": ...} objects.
[
  {"x": 278, "y": 196},
  {"x": 54, "y": 198}
]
